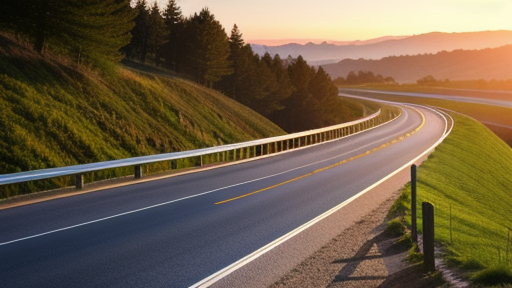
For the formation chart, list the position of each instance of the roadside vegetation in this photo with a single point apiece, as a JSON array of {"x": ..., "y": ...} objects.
[
  {"x": 65, "y": 99},
  {"x": 55, "y": 114},
  {"x": 467, "y": 178}
]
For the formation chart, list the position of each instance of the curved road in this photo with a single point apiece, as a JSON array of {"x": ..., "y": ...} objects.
[
  {"x": 476, "y": 100},
  {"x": 178, "y": 231}
]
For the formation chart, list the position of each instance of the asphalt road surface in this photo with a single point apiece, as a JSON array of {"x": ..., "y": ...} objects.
[
  {"x": 177, "y": 231},
  {"x": 476, "y": 100}
]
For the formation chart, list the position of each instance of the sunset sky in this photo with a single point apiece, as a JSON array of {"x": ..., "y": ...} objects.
[{"x": 343, "y": 20}]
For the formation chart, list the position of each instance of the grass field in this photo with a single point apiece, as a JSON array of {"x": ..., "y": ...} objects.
[
  {"x": 468, "y": 179},
  {"x": 465, "y": 88}
]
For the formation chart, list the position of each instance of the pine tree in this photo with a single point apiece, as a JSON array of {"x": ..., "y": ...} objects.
[
  {"x": 157, "y": 33},
  {"x": 174, "y": 48},
  {"x": 91, "y": 31},
  {"x": 242, "y": 61},
  {"x": 207, "y": 49},
  {"x": 138, "y": 47}
]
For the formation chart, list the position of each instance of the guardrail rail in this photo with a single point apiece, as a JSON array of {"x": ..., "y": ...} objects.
[{"x": 219, "y": 154}]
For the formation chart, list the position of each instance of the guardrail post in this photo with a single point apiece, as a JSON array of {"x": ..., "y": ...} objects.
[
  {"x": 79, "y": 181},
  {"x": 428, "y": 236},
  {"x": 138, "y": 171}
]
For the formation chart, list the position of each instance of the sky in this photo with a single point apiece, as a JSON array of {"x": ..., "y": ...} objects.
[{"x": 344, "y": 20}]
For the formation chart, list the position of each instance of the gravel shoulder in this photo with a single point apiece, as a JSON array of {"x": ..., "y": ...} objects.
[
  {"x": 360, "y": 256},
  {"x": 363, "y": 255}
]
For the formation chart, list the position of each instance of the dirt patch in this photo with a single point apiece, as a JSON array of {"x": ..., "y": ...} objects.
[{"x": 361, "y": 256}]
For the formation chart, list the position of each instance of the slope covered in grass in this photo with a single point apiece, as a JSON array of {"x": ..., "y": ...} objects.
[
  {"x": 54, "y": 113},
  {"x": 469, "y": 174}
]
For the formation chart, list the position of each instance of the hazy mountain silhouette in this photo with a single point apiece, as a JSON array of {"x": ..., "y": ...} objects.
[
  {"x": 280, "y": 42},
  {"x": 384, "y": 46},
  {"x": 487, "y": 64}
]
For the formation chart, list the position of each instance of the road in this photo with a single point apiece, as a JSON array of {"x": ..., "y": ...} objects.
[
  {"x": 177, "y": 231},
  {"x": 486, "y": 101}
]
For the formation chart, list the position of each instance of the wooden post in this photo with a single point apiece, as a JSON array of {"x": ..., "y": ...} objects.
[
  {"x": 428, "y": 236},
  {"x": 79, "y": 181},
  {"x": 451, "y": 236},
  {"x": 414, "y": 228}
]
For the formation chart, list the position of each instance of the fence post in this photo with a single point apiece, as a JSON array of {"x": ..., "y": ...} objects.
[
  {"x": 138, "y": 171},
  {"x": 428, "y": 236},
  {"x": 79, "y": 181},
  {"x": 414, "y": 228}
]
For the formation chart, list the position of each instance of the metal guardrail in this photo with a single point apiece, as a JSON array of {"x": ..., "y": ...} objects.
[{"x": 250, "y": 149}]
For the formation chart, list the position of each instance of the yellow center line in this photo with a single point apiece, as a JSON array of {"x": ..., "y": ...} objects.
[{"x": 333, "y": 165}]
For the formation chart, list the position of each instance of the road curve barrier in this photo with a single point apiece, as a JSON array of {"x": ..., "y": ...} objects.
[{"x": 77, "y": 175}]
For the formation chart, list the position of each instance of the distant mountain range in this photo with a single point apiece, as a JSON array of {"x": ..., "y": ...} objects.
[
  {"x": 280, "y": 42},
  {"x": 332, "y": 52},
  {"x": 487, "y": 64}
]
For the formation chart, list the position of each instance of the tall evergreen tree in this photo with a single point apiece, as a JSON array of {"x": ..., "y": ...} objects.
[
  {"x": 89, "y": 31},
  {"x": 285, "y": 87},
  {"x": 138, "y": 47},
  {"x": 157, "y": 33},
  {"x": 174, "y": 48},
  {"x": 207, "y": 49},
  {"x": 242, "y": 61},
  {"x": 297, "y": 114}
]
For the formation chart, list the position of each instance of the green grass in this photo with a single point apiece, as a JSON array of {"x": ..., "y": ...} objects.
[
  {"x": 56, "y": 114},
  {"x": 469, "y": 173}
]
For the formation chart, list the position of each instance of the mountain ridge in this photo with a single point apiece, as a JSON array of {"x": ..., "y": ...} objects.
[
  {"x": 486, "y": 64},
  {"x": 432, "y": 42}
]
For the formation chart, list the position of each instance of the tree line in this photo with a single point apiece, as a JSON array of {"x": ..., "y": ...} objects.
[
  {"x": 363, "y": 77},
  {"x": 288, "y": 91},
  {"x": 98, "y": 33}
]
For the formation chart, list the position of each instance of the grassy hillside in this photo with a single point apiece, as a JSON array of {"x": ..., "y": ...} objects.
[
  {"x": 469, "y": 176},
  {"x": 54, "y": 113}
]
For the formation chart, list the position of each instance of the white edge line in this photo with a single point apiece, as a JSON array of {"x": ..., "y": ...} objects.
[{"x": 210, "y": 280}]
